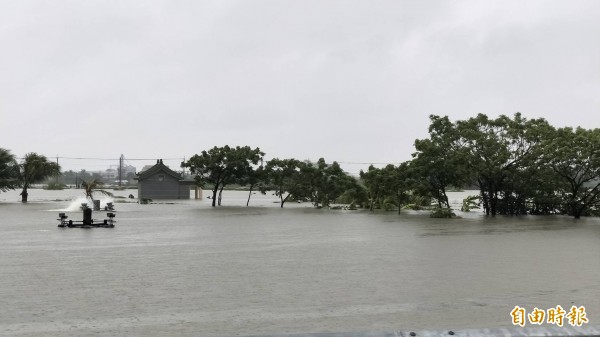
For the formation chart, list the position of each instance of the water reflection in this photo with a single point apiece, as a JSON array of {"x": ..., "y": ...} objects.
[{"x": 499, "y": 225}]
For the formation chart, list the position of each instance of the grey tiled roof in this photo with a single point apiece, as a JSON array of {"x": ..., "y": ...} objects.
[{"x": 159, "y": 167}]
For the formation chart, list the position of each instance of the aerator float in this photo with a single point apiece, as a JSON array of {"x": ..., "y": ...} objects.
[{"x": 87, "y": 221}]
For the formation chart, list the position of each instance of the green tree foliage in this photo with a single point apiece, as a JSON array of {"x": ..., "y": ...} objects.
[
  {"x": 469, "y": 203},
  {"x": 521, "y": 166},
  {"x": 35, "y": 168},
  {"x": 71, "y": 177},
  {"x": 327, "y": 182},
  {"x": 91, "y": 187},
  {"x": 253, "y": 178},
  {"x": 441, "y": 212},
  {"x": 500, "y": 153},
  {"x": 387, "y": 187},
  {"x": 501, "y": 156},
  {"x": 374, "y": 183},
  {"x": 221, "y": 166},
  {"x": 285, "y": 178},
  {"x": 54, "y": 186},
  {"x": 574, "y": 155},
  {"x": 9, "y": 171},
  {"x": 439, "y": 161},
  {"x": 355, "y": 195},
  {"x": 399, "y": 183}
]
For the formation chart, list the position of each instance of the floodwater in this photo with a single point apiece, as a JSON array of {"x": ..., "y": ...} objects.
[{"x": 182, "y": 268}]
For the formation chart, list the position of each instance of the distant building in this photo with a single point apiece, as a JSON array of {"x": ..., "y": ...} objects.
[
  {"x": 112, "y": 173},
  {"x": 160, "y": 182},
  {"x": 109, "y": 175}
]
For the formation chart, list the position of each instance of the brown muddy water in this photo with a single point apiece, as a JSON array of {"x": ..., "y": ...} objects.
[{"x": 183, "y": 268}]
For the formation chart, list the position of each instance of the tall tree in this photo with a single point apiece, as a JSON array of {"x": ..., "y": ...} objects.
[
  {"x": 220, "y": 166},
  {"x": 9, "y": 171},
  {"x": 397, "y": 183},
  {"x": 285, "y": 178},
  {"x": 498, "y": 148},
  {"x": 91, "y": 187},
  {"x": 439, "y": 161},
  {"x": 327, "y": 181},
  {"x": 388, "y": 186},
  {"x": 374, "y": 182},
  {"x": 35, "y": 168},
  {"x": 253, "y": 177},
  {"x": 575, "y": 157}
]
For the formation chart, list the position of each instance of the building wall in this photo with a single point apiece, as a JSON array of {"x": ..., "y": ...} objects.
[
  {"x": 184, "y": 191},
  {"x": 167, "y": 188}
]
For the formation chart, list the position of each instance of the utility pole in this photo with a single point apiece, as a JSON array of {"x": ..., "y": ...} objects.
[
  {"x": 121, "y": 169},
  {"x": 57, "y": 165}
]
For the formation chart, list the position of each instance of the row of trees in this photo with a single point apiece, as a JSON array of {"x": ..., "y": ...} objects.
[
  {"x": 76, "y": 178},
  {"x": 289, "y": 179},
  {"x": 33, "y": 169},
  {"x": 519, "y": 166}
]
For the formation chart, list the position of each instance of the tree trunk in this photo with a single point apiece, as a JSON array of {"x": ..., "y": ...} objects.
[
  {"x": 493, "y": 196},
  {"x": 485, "y": 202},
  {"x": 214, "y": 197},
  {"x": 445, "y": 197},
  {"x": 24, "y": 194},
  {"x": 576, "y": 210},
  {"x": 249, "y": 194},
  {"x": 493, "y": 201},
  {"x": 221, "y": 194},
  {"x": 373, "y": 197}
]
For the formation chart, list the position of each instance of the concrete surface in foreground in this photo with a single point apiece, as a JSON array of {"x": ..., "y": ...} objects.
[{"x": 566, "y": 331}]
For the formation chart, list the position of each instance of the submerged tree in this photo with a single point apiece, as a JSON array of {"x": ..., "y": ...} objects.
[
  {"x": 498, "y": 151},
  {"x": 35, "y": 168},
  {"x": 253, "y": 177},
  {"x": 284, "y": 177},
  {"x": 575, "y": 157},
  {"x": 221, "y": 166},
  {"x": 439, "y": 162},
  {"x": 374, "y": 182},
  {"x": 398, "y": 183},
  {"x": 327, "y": 182},
  {"x": 92, "y": 187},
  {"x": 9, "y": 171},
  {"x": 387, "y": 187}
]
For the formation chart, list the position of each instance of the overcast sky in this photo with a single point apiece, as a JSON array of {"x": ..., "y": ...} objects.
[{"x": 351, "y": 81}]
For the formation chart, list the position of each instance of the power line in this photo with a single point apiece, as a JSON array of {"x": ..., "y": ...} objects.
[
  {"x": 367, "y": 163},
  {"x": 179, "y": 158},
  {"x": 116, "y": 158}
]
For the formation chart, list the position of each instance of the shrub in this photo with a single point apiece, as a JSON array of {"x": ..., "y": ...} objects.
[
  {"x": 55, "y": 186},
  {"x": 388, "y": 204},
  {"x": 440, "y": 212},
  {"x": 469, "y": 203}
]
